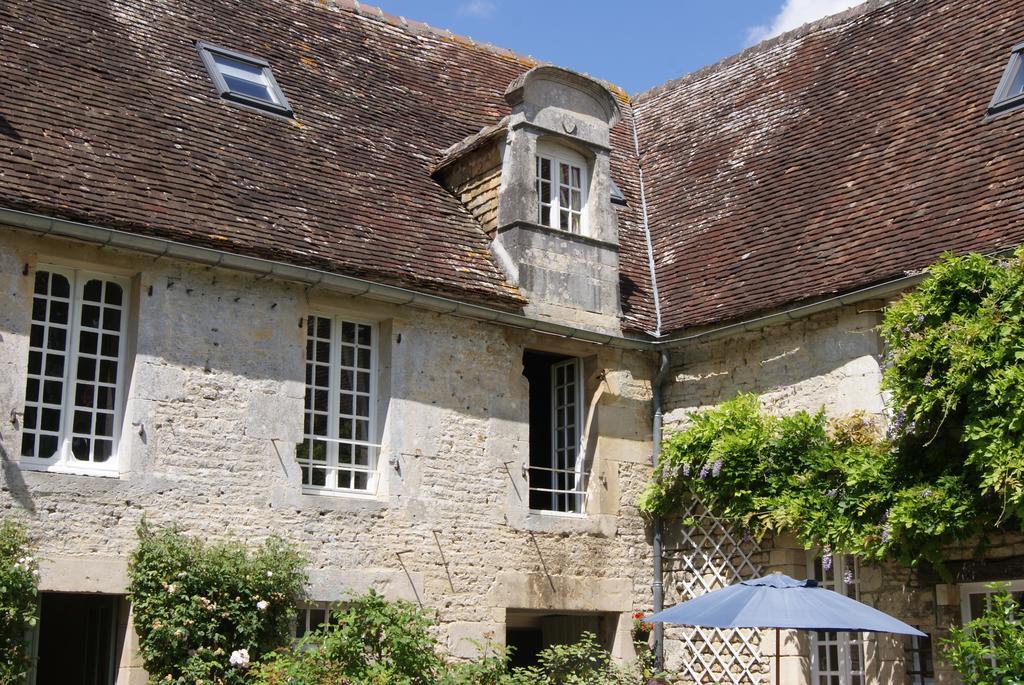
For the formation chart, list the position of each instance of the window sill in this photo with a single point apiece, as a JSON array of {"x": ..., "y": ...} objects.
[
  {"x": 63, "y": 469},
  {"x": 602, "y": 525},
  {"x": 325, "y": 500}
]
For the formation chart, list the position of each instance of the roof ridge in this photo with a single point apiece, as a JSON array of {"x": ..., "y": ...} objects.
[
  {"x": 865, "y": 8},
  {"x": 422, "y": 28}
]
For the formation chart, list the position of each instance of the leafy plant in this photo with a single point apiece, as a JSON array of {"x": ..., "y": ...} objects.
[
  {"x": 372, "y": 641},
  {"x": 19, "y": 596},
  {"x": 950, "y": 468},
  {"x": 990, "y": 649},
  {"x": 206, "y": 613}
]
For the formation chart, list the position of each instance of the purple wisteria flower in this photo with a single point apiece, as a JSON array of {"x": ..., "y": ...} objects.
[
  {"x": 928, "y": 380},
  {"x": 848, "y": 576},
  {"x": 704, "y": 472},
  {"x": 886, "y": 533},
  {"x": 826, "y": 559},
  {"x": 686, "y": 469},
  {"x": 716, "y": 469},
  {"x": 899, "y": 421},
  {"x": 920, "y": 318},
  {"x": 831, "y": 494}
]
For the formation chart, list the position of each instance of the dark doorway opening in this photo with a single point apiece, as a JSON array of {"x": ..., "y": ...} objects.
[
  {"x": 77, "y": 639},
  {"x": 555, "y": 425},
  {"x": 529, "y": 632}
]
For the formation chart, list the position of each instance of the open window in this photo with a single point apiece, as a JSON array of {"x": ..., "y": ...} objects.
[
  {"x": 556, "y": 475},
  {"x": 243, "y": 79}
]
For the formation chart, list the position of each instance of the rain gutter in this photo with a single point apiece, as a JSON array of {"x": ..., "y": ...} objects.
[{"x": 161, "y": 247}]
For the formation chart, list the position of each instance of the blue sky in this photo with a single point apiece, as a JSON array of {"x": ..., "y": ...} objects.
[{"x": 635, "y": 45}]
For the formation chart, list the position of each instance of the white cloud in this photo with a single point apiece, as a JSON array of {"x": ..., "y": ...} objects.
[
  {"x": 796, "y": 13},
  {"x": 482, "y": 9}
]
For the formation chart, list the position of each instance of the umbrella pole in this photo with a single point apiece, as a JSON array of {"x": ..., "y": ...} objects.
[{"x": 778, "y": 657}]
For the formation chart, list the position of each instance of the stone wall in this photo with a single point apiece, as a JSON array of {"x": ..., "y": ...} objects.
[
  {"x": 830, "y": 360},
  {"x": 214, "y": 409}
]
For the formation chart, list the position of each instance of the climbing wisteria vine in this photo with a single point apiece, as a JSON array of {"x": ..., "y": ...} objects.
[{"x": 949, "y": 467}]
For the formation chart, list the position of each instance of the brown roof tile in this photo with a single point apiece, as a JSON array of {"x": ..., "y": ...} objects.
[
  {"x": 832, "y": 158},
  {"x": 109, "y": 117}
]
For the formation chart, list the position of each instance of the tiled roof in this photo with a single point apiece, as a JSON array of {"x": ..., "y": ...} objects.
[
  {"x": 107, "y": 116},
  {"x": 832, "y": 158}
]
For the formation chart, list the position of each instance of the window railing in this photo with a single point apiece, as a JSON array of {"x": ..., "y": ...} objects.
[
  {"x": 571, "y": 498},
  {"x": 327, "y": 471}
]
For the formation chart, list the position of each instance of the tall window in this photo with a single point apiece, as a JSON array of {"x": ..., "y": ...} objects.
[
  {"x": 337, "y": 453},
  {"x": 73, "y": 391},
  {"x": 837, "y": 658},
  {"x": 561, "y": 188},
  {"x": 556, "y": 475},
  {"x": 975, "y": 598}
]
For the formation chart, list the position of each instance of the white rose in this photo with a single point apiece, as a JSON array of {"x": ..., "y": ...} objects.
[
  {"x": 240, "y": 658},
  {"x": 262, "y": 605}
]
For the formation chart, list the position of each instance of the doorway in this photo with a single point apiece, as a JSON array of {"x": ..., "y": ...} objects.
[{"x": 77, "y": 639}]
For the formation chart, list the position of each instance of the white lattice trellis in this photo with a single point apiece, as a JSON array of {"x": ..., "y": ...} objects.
[{"x": 706, "y": 556}]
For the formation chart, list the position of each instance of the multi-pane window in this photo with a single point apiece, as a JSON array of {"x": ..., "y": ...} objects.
[
  {"x": 337, "y": 453},
  {"x": 837, "y": 658},
  {"x": 975, "y": 597},
  {"x": 557, "y": 479},
  {"x": 312, "y": 617},
  {"x": 1010, "y": 91},
  {"x": 73, "y": 390},
  {"x": 920, "y": 670},
  {"x": 561, "y": 190}
]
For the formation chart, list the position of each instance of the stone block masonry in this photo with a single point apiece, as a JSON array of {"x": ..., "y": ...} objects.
[{"x": 214, "y": 409}]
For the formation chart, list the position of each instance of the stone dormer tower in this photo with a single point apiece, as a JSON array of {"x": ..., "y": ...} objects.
[
  {"x": 557, "y": 234},
  {"x": 538, "y": 183}
]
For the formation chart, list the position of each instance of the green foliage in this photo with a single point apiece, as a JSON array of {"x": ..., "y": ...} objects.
[
  {"x": 952, "y": 467},
  {"x": 990, "y": 649},
  {"x": 375, "y": 642},
  {"x": 371, "y": 641},
  {"x": 19, "y": 596},
  {"x": 582, "y": 663},
  {"x": 204, "y": 612}
]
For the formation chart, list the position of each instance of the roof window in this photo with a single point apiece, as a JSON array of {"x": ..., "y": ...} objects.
[
  {"x": 1010, "y": 93},
  {"x": 243, "y": 79}
]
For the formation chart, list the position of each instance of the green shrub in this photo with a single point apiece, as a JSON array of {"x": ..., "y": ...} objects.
[
  {"x": 375, "y": 642},
  {"x": 371, "y": 641},
  {"x": 19, "y": 597},
  {"x": 990, "y": 649},
  {"x": 205, "y": 613}
]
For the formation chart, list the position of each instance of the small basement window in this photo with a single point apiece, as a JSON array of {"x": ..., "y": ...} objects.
[
  {"x": 244, "y": 79},
  {"x": 1010, "y": 93}
]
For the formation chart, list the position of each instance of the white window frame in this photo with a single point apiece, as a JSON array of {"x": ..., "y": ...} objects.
[
  {"x": 842, "y": 640},
  {"x": 64, "y": 461},
  {"x": 577, "y": 494},
  {"x": 303, "y": 618},
  {"x": 1003, "y": 101},
  {"x": 558, "y": 156},
  {"x": 969, "y": 589},
  {"x": 332, "y": 463}
]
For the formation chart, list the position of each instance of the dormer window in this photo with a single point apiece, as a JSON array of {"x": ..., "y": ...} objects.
[
  {"x": 561, "y": 188},
  {"x": 243, "y": 79},
  {"x": 1010, "y": 92}
]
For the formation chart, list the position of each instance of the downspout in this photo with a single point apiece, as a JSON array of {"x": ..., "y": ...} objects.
[
  {"x": 657, "y": 582},
  {"x": 657, "y": 585}
]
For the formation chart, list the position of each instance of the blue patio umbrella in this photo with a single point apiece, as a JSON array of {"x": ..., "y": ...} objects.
[{"x": 780, "y": 602}]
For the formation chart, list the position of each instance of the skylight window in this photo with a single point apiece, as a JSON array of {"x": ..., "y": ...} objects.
[
  {"x": 243, "y": 79},
  {"x": 1010, "y": 93}
]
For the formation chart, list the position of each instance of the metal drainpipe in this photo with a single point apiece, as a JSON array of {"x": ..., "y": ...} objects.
[{"x": 657, "y": 586}]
